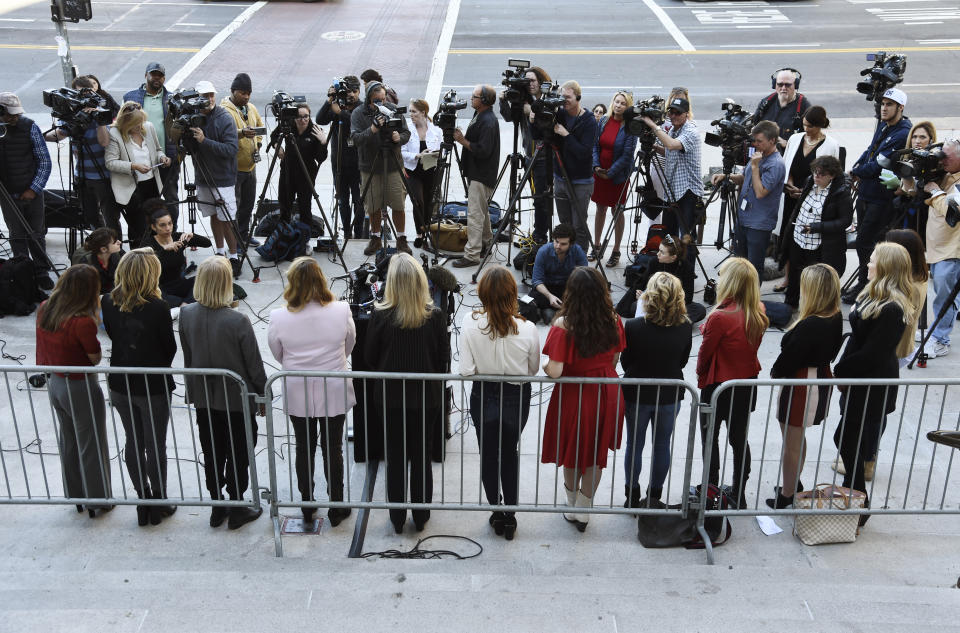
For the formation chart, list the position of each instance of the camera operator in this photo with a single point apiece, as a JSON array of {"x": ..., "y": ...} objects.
[
  {"x": 542, "y": 211},
  {"x": 24, "y": 170},
  {"x": 922, "y": 135},
  {"x": 246, "y": 118},
  {"x": 90, "y": 173},
  {"x": 312, "y": 144},
  {"x": 574, "y": 136},
  {"x": 759, "y": 203},
  {"x": 785, "y": 107},
  {"x": 153, "y": 97},
  {"x": 943, "y": 244},
  {"x": 343, "y": 155},
  {"x": 874, "y": 207},
  {"x": 481, "y": 156},
  {"x": 214, "y": 149},
  {"x": 377, "y": 167},
  {"x": 679, "y": 143}
]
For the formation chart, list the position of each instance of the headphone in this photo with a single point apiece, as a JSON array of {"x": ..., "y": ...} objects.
[
  {"x": 488, "y": 96},
  {"x": 796, "y": 82}
]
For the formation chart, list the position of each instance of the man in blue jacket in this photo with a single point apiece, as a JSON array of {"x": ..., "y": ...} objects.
[
  {"x": 555, "y": 261},
  {"x": 153, "y": 98},
  {"x": 874, "y": 201}
]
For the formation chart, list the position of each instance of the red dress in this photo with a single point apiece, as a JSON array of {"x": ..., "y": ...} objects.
[
  {"x": 591, "y": 422},
  {"x": 606, "y": 193}
]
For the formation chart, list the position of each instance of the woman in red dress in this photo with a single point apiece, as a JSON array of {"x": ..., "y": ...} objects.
[
  {"x": 612, "y": 165},
  {"x": 583, "y": 421}
]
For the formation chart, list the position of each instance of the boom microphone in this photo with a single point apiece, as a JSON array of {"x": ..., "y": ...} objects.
[{"x": 443, "y": 279}]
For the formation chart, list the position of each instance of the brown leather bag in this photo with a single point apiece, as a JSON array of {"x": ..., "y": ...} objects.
[{"x": 450, "y": 236}]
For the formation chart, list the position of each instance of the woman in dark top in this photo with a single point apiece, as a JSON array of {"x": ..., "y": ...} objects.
[
  {"x": 671, "y": 258},
  {"x": 139, "y": 325},
  {"x": 407, "y": 334},
  {"x": 311, "y": 142},
  {"x": 806, "y": 351},
  {"x": 612, "y": 165},
  {"x": 877, "y": 321},
  {"x": 103, "y": 253},
  {"x": 658, "y": 346},
  {"x": 169, "y": 245},
  {"x": 425, "y": 137},
  {"x": 67, "y": 335}
]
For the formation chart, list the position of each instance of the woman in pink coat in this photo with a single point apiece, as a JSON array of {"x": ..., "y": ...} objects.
[{"x": 315, "y": 333}]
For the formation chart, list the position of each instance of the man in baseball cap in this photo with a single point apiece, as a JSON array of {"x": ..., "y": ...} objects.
[{"x": 24, "y": 170}]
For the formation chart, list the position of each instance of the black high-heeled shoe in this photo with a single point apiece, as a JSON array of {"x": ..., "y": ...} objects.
[
  {"x": 779, "y": 489},
  {"x": 398, "y": 527},
  {"x": 780, "y": 502},
  {"x": 509, "y": 526},
  {"x": 143, "y": 515},
  {"x": 497, "y": 522}
]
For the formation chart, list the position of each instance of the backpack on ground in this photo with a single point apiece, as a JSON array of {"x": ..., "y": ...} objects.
[
  {"x": 287, "y": 242},
  {"x": 19, "y": 292}
]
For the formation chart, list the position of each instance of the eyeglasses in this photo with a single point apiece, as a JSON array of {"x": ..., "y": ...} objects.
[
  {"x": 131, "y": 107},
  {"x": 785, "y": 84}
]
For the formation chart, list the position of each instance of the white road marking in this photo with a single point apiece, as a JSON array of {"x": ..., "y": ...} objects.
[
  {"x": 189, "y": 24},
  {"x": 917, "y": 15},
  {"x": 173, "y": 83},
  {"x": 37, "y": 77},
  {"x": 765, "y": 16},
  {"x": 887, "y": 1},
  {"x": 668, "y": 24},
  {"x": 439, "y": 66},
  {"x": 109, "y": 82},
  {"x": 17, "y": 20}
]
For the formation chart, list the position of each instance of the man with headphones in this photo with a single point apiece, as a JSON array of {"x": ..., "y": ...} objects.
[
  {"x": 785, "y": 106},
  {"x": 480, "y": 162}
]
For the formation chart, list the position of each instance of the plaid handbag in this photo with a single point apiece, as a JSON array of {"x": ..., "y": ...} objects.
[{"x": 816, "y": 529}]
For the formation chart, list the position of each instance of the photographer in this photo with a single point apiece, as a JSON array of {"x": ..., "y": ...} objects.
[
  {"x": 214, "y": 148},
  {"x": 542, "y": 207},
  {"x": 380, "y": 175},
  {"x": 246, "y": 118},
  {"x": 874, "y": 207},
  {"x": 481, "y": 155},
  {"x": 153, "y": 97},
  {"x": 679, "y": 143},
  {"x": 922, "y": 135},
  {"x": 24, "y": 170},
  {"x": 574, "y": 135},
  {"x": 759, "y": 201},
  {"x": 943, "y": 244},
  {"x": 337, "y": 109},
  {"x": 312, "y": 145},
  {"x": 90, "y": 169},
  {"x": 785, "y": 107}
]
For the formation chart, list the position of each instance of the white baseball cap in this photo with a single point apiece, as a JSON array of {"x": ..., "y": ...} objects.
[
  {"x": 205, "y": 87},
  {"x": 895, "y": 94}
]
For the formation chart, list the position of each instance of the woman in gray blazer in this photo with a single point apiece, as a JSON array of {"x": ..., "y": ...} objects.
[{"x": 133, "y": 158}]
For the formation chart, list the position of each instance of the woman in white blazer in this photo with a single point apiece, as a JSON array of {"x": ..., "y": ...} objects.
[
  {"x": 425, "y": 137},
  {"x": 133, "y": 158},
  {"x": 801, "y": 150}
]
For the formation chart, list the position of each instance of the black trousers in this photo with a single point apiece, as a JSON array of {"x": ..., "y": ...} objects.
[
  {"x": 409, "y": 437},
  {"x": 680, "y": 220},
  {"x": 799, "y": 259},
  {"x": 223, "y": 441},
  {"x": 420, "y": 184},
  {"x": 499, "y": 412},
  {"x": 329, "y": 431},
  {"x": 542, "y": 203},
  {"x": 733, "y": 407},
  {"x": 857, "y": 446},
  {"x": 348, "y": 201},
  {"x": 246, "y": 193},
  {"x": 170, "y": 177},
  {"x": 99, "y": 206},
  {"x": 137, "y": 220},
  {"x": 145, "y": 419},
  {"x": 873, "y": 221}
]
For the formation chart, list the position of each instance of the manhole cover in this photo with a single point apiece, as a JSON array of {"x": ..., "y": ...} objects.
[{"x": 343, "y": 36}]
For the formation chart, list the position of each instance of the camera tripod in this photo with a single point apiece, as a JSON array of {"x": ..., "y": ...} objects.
[
  {"x": 386, "y": 147},
  {"x": 439, "y": 194},
  {"x": 37, "y": 248}
]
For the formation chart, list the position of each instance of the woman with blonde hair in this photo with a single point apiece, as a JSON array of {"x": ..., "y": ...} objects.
[
  {"x": 612, "y": 165},
  {"x": 67, "y": 335},
  {"x": 314, "y": 332},
  {"x": 731, "y": 337},
  {"x": 496, "y": 340},
  {"x": 407, "y": 334},
  {"x": 658, "y": 346},
  {"x": 877, "y": 321},
  {"x": 806, "y": 351},
  {"x": 138, "y": 322},
  {"x": 133, "y": 158},
  {"x": 214, "y": 336}
]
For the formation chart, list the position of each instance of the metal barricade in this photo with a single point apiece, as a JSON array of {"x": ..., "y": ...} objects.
[
  {"x": 911, "y": 475},
  {"x": 129, "y": 442},
  {"x": 445, "y": 466}
]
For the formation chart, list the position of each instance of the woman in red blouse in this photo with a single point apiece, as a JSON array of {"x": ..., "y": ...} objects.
[
  {"x": 67, "y": 335},
  {"x": 612, "y": 165},
  {"x": 731, "y": 337}
]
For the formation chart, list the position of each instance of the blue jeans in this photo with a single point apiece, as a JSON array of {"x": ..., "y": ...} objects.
[
  {"x": 945, "y": 275},
  {"x": 752, "y": 244},
  {"x": 638, "y": 415}
]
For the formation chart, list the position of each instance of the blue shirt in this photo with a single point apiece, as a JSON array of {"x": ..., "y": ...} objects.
[
  {"x": 549, "y": 270},
  {"x": 93, "y": 157},
  {"x": 761, "y": 213}
]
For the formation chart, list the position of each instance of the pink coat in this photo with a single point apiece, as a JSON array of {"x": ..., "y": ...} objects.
[{"x": 317, "y": 338}]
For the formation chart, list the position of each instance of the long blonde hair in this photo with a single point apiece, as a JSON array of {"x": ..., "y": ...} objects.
[
  {"x": 891, "y": 283},
  {"x": 130, "y": 119},
  {"x": 407, "y": 293},
  {"x": 663, "y": 300},
  {"x": 137, "y": 279},
  {"x": 819, "y": 292},
  {"x": 740, "y": 284}
]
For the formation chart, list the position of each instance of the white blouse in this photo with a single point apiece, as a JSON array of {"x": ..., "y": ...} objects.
[
  {"x": 141, "y": 155},
  {"x": 511, "y": 355}
]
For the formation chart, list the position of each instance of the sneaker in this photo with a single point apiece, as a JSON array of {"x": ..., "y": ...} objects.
[
  {"x": 463, "y": 262},
  {"x": 236, "y": 265},
  {"x": 253, "y": 242},
  {"x": 402, "y": 246},
  {"x": 373, "y": 245},
  {"x": 939, "y": 349},
  {"x": 309, "y": 250}
]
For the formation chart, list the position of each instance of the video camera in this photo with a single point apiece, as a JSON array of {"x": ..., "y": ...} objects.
[
  {"x": 341, "y": 90},
  {"x": 285, "y": 108},
  {"x": 188, "y": 109},
  {"x": 389, "y": 121},
  {"x": 732, "y": 134},
  {"x": 651, "y": 108},
  {"x": 886, "y": 72},
  {"x": 77, "y": 109},
  {"x": 446, "y": 116},
  {"x": 920, "y": 164},
  {"x": 516, "y": 81},
  {"x": 545, "y": 108}
]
